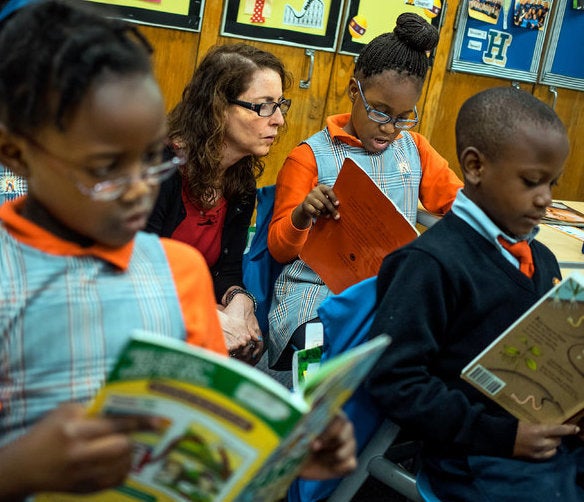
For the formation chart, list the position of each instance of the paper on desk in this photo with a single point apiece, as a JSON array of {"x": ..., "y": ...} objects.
[{"x": 351, "y": 249}]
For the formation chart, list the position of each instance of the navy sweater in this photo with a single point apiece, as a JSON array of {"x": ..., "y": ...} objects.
[{"x": 443, "y": 298}]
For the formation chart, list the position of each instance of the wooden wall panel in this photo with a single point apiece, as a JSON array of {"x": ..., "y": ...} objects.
[{"x": 177, "y": 52}]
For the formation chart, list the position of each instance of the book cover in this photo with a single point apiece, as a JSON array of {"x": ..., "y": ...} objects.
[
  {"x": 559, "y": 213},
  {"x": 225, "y": 421},
  {"x": 535, "y": 369},
  {"x": 348, "y": 250}
]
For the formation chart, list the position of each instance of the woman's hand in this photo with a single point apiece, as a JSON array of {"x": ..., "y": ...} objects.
[
  {"x": 321, "y": 201},
  {"x": 243, "y": 336},
  {"x": 540, "y": 442}
]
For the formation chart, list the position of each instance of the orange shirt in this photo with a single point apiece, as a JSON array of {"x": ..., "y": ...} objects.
[
  {"x": 191, "y": 275},
  {"x": 299, "y": 175}
]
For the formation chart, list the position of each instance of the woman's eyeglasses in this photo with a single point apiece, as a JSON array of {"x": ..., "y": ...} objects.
[
  {"x": 384, "y": 118},
  {"x": 265, "y": 109}
]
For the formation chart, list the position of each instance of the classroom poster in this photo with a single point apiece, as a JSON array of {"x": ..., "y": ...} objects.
[
  {"x": 179, "y": 14},
  {"x": 365, "y": 19},
  {"x": 504, "y": 49},
  {"x": 304, "y": 23}
]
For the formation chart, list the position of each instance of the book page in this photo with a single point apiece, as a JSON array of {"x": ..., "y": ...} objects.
[
  {"x": 535, "y": 369},
  {"x": 327, "y": 389},
  {"x": 223, "y": 419},
  {"x": 348, "y": 250}
]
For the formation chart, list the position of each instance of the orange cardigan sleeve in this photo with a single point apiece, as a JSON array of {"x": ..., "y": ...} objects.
[
  {"x": 194, "y": 288},
  {"x": 439, "y": 183},
  {"x": 298, "y": 176}
]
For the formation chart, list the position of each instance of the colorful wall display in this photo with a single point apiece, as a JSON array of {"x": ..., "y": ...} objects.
[
  {"x": 179, "y": 14},
  {"x": 492, "y": 38},
  {"x": 563, "y": 66},
  {"x": 365, "y": 19},
  {"x": 304, "y": 23}
]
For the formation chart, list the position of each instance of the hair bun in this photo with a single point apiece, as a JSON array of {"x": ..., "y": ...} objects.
[{"x": 414, "y": 31}]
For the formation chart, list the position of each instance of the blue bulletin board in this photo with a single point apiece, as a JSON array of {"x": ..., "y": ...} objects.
[
  {"x": 563, "y": 64},
  {"x": 501, "y": 49}
]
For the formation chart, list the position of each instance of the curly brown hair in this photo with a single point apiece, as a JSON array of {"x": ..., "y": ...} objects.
[{"x": 197, "y": 123}]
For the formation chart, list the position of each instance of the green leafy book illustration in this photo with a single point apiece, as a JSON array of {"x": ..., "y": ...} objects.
[{"x": 535, "y": 369}]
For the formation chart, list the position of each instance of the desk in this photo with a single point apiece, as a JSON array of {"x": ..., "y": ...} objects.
[{"x": 568, "y": 249}]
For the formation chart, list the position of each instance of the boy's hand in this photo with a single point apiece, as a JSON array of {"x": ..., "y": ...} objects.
[
  {"x": 70, "y": 452},
  {"x": 333, "y": 452},
  {"x": 321, "y": 201},
  {"x": 540, "y": 442}
]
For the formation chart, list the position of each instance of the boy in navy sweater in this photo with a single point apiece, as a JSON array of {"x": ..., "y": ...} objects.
[{"x": 447, "y": 295}]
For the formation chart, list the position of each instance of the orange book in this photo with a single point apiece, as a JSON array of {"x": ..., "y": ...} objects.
[{"x": 351, "y": 249}]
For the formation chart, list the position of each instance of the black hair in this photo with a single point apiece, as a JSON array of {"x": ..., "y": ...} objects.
[
  {"x": 53, "y": 51},
  {"x": 488, "y": 120},
  {"x": 404, "y": 50}
]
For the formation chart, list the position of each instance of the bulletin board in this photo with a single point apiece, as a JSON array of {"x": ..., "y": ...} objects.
[
  {"x": 179, "y": 14},
  {"x": 502, "y": 49},
  {"x": 366, "y": 19},
  {"x": 563, "y": 64},
  {"x": 303, "y": 23}
]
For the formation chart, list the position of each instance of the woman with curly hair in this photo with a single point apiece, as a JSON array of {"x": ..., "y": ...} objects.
[{"x": 227, "y": 120}]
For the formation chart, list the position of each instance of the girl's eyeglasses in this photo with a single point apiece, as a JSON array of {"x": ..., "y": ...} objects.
[
  {"x": 384, "y": 118},
  {"x": 112, "y": 189}
]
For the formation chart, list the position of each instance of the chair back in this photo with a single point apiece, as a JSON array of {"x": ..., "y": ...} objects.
[{"x": 260, "y": 270}]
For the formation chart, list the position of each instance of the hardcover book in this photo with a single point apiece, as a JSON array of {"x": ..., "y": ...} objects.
[
  {"x": 535, "y": 369},
  {"x": 231, "y": 432}
]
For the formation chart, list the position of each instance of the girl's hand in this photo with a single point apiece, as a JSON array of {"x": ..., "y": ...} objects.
[
  {"x": 333, "y": 453},
  {"x": 321, "y": 201},
  {"x": 70, "y": 452}
]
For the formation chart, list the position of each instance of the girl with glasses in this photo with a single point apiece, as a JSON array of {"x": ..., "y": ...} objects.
[
  {"x": 82, "y": 119},
  {"x": 227, "y": 120},
  {"x": 384, "y": 89}
]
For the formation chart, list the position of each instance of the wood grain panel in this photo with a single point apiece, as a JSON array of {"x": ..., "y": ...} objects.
[
  {"x": 570, "y": 108},
  {"x": 174, "y": 59}
]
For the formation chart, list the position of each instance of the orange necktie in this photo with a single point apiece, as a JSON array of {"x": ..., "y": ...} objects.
[{"x": 522, "y": 252}]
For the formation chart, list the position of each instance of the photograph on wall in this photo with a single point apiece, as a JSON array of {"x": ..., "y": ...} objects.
[
  {"x": 531, "y": 14},
  {"x": 502, "y": 50},
  {"x": 179, "y": 14},
  {"x": 304, "y": 23},
  {"x": 367, "y": 19},
  {"x": 486, "y": 11}
]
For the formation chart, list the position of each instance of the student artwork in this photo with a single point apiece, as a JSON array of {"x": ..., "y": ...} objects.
[
  {"x": 259, "y": 10},
  {"x": 179, "y": 14},
  {"x": 304, "y": 23},
  {"x": 357, "y": 26},
  {"x": 366, "y": 19},
  {"x": 485, "y": 10},
  {"x": 311, "y": 14},
  {"x": 531, "y": 14}
]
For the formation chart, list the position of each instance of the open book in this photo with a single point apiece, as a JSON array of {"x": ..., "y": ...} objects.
[
  {"x": 559, "y": 213},
  {"x": 535, "y": 369},
  {"x": 348, "y": 250},
  {"x": 231, "y": 433}
]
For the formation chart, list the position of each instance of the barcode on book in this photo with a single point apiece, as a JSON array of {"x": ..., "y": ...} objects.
[{"x": 485, "y": 379}]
